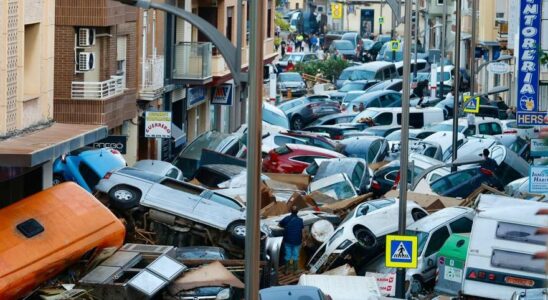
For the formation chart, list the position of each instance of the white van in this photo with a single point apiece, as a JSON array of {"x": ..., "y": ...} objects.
[
  {"x": 479, "y": 125},
  {"x": 503, "y": 242},
  {"x": 418, "y": 117}
]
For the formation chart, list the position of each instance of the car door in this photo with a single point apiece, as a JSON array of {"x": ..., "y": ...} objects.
[
  {"x": 217, "y": 210},
  {"x": 437, "y": 239}
]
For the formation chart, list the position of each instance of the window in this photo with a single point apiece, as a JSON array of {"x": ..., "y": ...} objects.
[
  {"x": 357, "y": 175},
  {"x": 224, "y": 201},
  {"x": 416, "y": 120},
  {"x": 495, "y": 129},
  {"x": 185, "y": 188},
  {"x": 519, "y": 233},
  {"x": 282, "y": 140},
  {"x": 229, "y": 22},
  {"x": 121, "y": 49},
  {"x": 269, "y": 20},
  {"x": 484, "y": 128},
  {"x": 452, "y": 180},
  {"x": 437, "y": 240},
  {"x": 90, "y": 177},
  {"x": 517, "y": 261},
  {"x": 462, "y": 225},
  {"x": 307, "y": 159},
  {"x": 373, "y": 151},
  {"x": 383, "y": 119},
  {"x": 375, "y": 103},
  {"x": 471, "y": 130},
  {"x": 391, "y": 176},
  {"x": 386, "y": 73},
  {"x": 396, "y": 87},
  {"x": 434, "y": 177},
  {"x": 173, "y": 173}
]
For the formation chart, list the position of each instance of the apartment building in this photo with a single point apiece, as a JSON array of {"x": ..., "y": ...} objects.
[
  {"x": 198, "y": 86},
  {"x": 95, "y": 79},
  {"x": 29, "y": 140}
]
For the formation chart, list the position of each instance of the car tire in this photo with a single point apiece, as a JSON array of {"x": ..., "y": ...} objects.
[
  {"x": 124, "y": 197},
  {"x": 237, "y": 232},
  {"x": 365, "y": 237},
  {"x": 297, "y": 123},
  {"x": 418, "y": 214}
]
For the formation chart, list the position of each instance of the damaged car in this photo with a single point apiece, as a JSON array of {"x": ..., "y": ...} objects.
[
  {"x": 171, "y": 207},
  {"x": 355, "y": 168},
  {"x": 361, "y": 235}
]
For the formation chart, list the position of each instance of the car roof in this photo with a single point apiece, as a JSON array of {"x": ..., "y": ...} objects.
[
  {"x": 313, "y": 149},
  {"x": 374, "y": 65},
  {"x": 290, "y": 292},
  {"x": 142, "y": 174},
  {"x": 439, "y": 218},
  {"x": 366, "y": 139},
  {"x": 400, "y": 63},
  {"x": 153, "y": 165}
]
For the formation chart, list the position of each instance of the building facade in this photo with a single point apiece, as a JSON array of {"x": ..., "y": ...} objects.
[
  {"x": 29, "y": 141},
  {"x": 26, "y": 64},
  {"x": 96, "y": 67}
]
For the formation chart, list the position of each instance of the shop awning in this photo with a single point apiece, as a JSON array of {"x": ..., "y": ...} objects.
[{"x": 34, "y": 148}]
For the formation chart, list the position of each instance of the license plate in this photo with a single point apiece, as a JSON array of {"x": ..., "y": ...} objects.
[
  {"x": 452, "y": 274},
  {"x": 319, "y": 263},
  {"x": 519, "y": 281}
]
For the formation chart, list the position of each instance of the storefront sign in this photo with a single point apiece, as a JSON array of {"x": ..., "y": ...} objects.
[
  {"x": 223, "y": 94},
  {"x": 498, "y": 68},
  {"x": 385, "y": 282},
  {"x": 533, "y": 118},
  {"x": 158, "y": 124},
  {"x": 336, "y": 10},
  {"x": 539, "y": 147},
  {"x": 117, "y": 142},
  {"x": 538, "y": 179},
  {"x": 196, "y": 96},
  {"x": 528, "y": 60}
]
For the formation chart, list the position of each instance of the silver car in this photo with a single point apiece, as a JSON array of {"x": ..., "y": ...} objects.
[
  {"x": 129, "y": 187},
  {"x": 159, "y": 167}
]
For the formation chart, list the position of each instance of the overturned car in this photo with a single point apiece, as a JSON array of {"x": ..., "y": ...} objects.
[
  {"x": 361, "y": 235},
  {"x": 178, "y": 212}
]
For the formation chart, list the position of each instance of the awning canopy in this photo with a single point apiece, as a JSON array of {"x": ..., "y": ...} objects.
[{"x": 37, "y": 147}]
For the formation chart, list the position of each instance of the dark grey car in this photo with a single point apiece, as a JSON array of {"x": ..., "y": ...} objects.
[
  {"x": 291, "y": 81},
  {"x": 384, "y": 98},
  {"x": 356, "y": 169},
  {"x": 303, "y": 111},
  {"x": 371, "y": 148}
]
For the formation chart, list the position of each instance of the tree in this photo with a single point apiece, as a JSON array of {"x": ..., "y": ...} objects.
[
  {"x": 279, "y": 21},
  {"x": 330, "y": 68}
]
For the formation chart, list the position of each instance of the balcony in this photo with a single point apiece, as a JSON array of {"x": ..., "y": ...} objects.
[
  {"x": 82, "y": 90},
  {"x": 193, "y": 63},
  {"x": 153, "y": 80}
]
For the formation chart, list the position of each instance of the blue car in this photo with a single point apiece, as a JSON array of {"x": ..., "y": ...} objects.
[{"x": 86, "y": 166}]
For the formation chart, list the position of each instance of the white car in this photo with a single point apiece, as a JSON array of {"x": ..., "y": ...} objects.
[
  {"x": 337, "y": 186},
  {"x": 159, "y": 167},
  {"x": 361, "y": 235},
  {"x": 526, "y": 132},
  {"x": 481, "y": 125},
  {"x": 445, "y": 140},
  {"x": 432, "y": 232}
]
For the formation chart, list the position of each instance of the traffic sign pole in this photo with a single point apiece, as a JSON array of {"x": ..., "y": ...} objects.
[
  {"x": 456, "y": 85},
  {"x": 404, "y": 150}
]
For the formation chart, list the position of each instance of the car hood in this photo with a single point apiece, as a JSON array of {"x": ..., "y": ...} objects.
[{"x": 102, "y": 162}]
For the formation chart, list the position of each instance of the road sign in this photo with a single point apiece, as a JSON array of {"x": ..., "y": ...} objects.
[
  {"x": 471, "y": 105},
  {"x": 381, "y": 20},
  {"x": 401, "y": 251},
  {"x": 395, "y": 45},
  {"x": 336, "y": 10}
]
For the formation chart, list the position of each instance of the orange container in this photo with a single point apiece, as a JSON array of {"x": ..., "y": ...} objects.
[{"x": 70, "y": 223}]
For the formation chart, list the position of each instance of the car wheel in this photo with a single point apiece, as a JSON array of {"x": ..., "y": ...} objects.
[
  {"x": 418, "y": 214},
  {"x": 57, "y": 179},
  {"x": 237, "y": 231},
  {"x": 124, "y": 197},
  {"x": 297, "y": 123},
  {"x": 365, "y": 237}
]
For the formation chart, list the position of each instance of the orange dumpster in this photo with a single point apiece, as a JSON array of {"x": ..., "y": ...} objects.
[{"x": 45, "y": 233}]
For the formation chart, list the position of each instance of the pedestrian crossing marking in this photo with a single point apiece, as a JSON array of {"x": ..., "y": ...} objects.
[{"x": 401, "y": 253}]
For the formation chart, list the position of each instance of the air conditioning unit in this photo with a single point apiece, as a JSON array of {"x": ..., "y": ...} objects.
[
  {"x": 86, "y": 61},
  {"x": 86, "y": 37}
]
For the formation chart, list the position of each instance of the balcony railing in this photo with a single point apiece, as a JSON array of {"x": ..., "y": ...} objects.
[
  {"x": 153, "y": 79},
  {"x": 98, "y": 90},
  {"x": 193, "y": 61}
]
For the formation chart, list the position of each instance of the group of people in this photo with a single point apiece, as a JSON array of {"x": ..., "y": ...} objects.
[{"x": 297, "y": 43}]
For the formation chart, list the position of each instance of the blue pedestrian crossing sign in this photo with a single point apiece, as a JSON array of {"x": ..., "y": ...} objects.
[
  {"x": 401, "y": 251},
  {"x": 471, "y": 105}
]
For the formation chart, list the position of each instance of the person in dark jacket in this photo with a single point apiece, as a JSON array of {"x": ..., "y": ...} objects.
[
  {"x": 488, "y": 163},
  {"x": 293, "y": 238}
]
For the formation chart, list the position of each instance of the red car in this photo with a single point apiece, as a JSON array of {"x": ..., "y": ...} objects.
[{"x": 293, "y": 158}]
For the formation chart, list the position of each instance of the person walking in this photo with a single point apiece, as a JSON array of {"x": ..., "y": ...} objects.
[
  {"x": 491, "y": 166},
  {"x": 299, "y": 44},
  {"x": 283, "y": 45},
  {"x": 313, "y": 43},
  {"x": 290, "y": 66},
  {"x": 293, "y": 227}
]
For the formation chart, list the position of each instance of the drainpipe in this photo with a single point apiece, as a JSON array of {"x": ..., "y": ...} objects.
[{"x": 154, "y": 34}]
